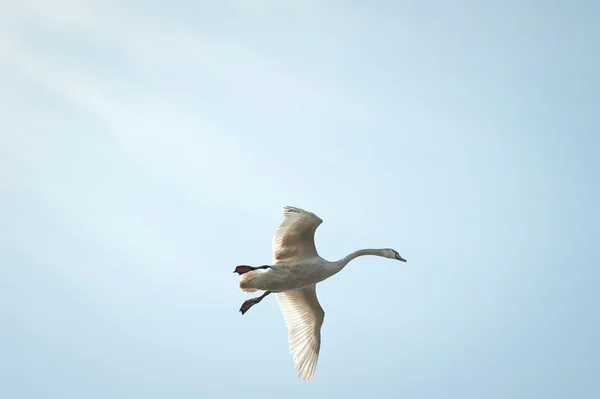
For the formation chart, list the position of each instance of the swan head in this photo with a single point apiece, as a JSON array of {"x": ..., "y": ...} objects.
[{"x": 393, "y": 254}]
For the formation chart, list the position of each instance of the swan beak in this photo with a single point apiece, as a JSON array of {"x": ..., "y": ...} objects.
[{"x": 400, "y": 258}]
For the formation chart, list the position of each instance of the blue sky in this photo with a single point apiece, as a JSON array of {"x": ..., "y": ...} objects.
[{"x": 146, "y": 149}]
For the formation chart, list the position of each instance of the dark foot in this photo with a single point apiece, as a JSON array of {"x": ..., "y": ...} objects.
[
  {"x": 251, "y": 302},
  {"x": 245, "y": 269},
  {"x": 247, "y": 305}
]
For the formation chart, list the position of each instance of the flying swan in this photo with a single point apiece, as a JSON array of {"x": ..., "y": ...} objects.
[{"x": 296, "y": 269}]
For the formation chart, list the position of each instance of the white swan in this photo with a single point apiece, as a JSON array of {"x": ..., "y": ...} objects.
[{"x": 296, "y": 269}]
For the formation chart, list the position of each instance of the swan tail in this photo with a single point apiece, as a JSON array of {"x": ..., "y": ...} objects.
[{"x": 245, "y": 281}]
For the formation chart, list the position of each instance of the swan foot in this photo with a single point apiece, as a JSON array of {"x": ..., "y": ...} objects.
[
  {"x": 245, "y": 269},
  {"x": 251, "y": 302}
]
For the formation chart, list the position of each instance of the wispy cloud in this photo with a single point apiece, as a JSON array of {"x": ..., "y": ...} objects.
[{"x": 232, "y": 81}]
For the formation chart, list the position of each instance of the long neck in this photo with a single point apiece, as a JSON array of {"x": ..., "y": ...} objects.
[{"x": 340, "y": 264}]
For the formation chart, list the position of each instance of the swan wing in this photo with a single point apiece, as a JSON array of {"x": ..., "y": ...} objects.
[
  {"x": 304, "y": 317},
  {"x": 295, "y": 238}
]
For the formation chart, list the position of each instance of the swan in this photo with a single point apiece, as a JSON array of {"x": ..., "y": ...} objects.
[{"x": 293, "y": 275}]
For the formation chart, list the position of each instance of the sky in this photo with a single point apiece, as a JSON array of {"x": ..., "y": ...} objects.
[{"x": 148, "y": 148}]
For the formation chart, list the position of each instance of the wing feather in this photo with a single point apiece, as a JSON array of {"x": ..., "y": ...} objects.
[
  {"x": 304, "y": 317},
  {"x": 295, "y": 237}
]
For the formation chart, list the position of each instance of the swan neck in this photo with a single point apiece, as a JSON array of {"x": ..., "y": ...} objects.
[{"x": 340, "y": 264}]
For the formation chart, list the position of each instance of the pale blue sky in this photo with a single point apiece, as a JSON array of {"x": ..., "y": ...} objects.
[{"x": 148, "y": 148}]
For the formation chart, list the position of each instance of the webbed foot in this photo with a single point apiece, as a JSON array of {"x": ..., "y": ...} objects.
[{"x": 245, "y": 269}]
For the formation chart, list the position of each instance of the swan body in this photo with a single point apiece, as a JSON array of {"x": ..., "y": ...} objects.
[
  {"x": 283, "y": 277},
  {"x": 292, "y": 277}
]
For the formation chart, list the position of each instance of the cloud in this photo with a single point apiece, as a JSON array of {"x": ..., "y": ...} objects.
[{"x": 187, "y": 100}]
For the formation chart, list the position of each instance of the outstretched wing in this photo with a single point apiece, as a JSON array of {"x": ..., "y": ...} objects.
[
  {"x": 295, "y": 238},
  {"x": 304, "y": 317}
]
